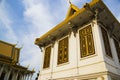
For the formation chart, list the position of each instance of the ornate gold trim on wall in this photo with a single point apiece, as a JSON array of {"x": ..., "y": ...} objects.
[
  {"x": 63, "y": 51},
  {"x": 86, "y": 42}
]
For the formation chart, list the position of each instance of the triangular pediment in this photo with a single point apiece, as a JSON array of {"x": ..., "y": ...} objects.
[{"x": 72, "y": 10}]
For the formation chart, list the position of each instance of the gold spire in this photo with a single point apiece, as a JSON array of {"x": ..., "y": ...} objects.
[
  {"x": 69, "y": 1},
  {"x": 72, "y": 9}
]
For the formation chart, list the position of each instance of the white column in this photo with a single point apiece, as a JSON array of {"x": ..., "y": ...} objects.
[
  {"x": 31, "y": 77},
  {"x": 21, "y": 76},
  {"x": 15, "y": 75},
  {"x": 28, "y": 77},
  {"x": 1, "y": 70},
  {"x": 115, "y": 56},
  {"x": 98, "y": 41},
  {"x": 25, "y": 77},
  {"x": 7, "y": 75}
]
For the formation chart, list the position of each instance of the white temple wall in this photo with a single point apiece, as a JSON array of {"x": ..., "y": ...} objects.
[{"x": 99, "y": 62}]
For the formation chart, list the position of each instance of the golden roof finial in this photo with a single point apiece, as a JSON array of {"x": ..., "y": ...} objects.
[{"x": 69, "y": 1}]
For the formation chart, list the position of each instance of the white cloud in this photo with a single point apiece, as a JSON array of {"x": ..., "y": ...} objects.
[
  {"x": 30, "y": 53},
  {"x": 38, "y": 15},
  {"x": 39, "y": 21},
  {"x": 6, "y": 21}
]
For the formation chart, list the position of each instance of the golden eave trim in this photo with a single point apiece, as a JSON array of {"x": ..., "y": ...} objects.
[
  {"x": 63, "y": 22},
  {"x": 7, "y": 43}
]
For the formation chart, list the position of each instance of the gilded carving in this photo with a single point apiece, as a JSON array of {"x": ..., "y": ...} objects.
[
  {"x": 63, "y": 51},
  {"x": 86, "y": 41}
]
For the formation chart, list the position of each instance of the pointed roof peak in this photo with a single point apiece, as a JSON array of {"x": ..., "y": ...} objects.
[
  {"x": 69, "y": 2},
  {"x": 72, "y": 9}
]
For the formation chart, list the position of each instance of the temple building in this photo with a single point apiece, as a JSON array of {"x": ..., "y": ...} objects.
[
  {"x": 84, "y": 46},
  {"x": 10, "y": 69}
]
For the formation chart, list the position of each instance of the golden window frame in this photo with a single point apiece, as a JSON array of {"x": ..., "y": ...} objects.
[
  {"x": 86, "y": 41},
  {"x": 63, "y": 48}
]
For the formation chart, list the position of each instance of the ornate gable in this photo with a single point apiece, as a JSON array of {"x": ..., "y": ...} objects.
[{"x": 72, "y": 9}]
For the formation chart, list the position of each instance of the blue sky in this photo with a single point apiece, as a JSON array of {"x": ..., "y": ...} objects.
[{"x": 21, "y": 21}]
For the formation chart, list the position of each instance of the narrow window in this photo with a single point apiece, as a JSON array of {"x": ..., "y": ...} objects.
[
  {"x": 47, "y": 57},
  {"x": 106, "y": 42},
  {"x": 86, "y": 42},
  {"x": 117, "y": 48},
  {"x": 63, "y": 51}
]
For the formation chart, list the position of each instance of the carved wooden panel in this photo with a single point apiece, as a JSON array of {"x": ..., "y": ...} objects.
[
  {"x": 63, "y": 51},
  {"x": 86, "y": 42},
  {"x": 106, "y": 42},
  {"x": 117, "y": 48},
  {"x": 47, "y": 57}
]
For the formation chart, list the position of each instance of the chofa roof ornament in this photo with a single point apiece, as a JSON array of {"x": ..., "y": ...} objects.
[{"x": 69, "y": 1}]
